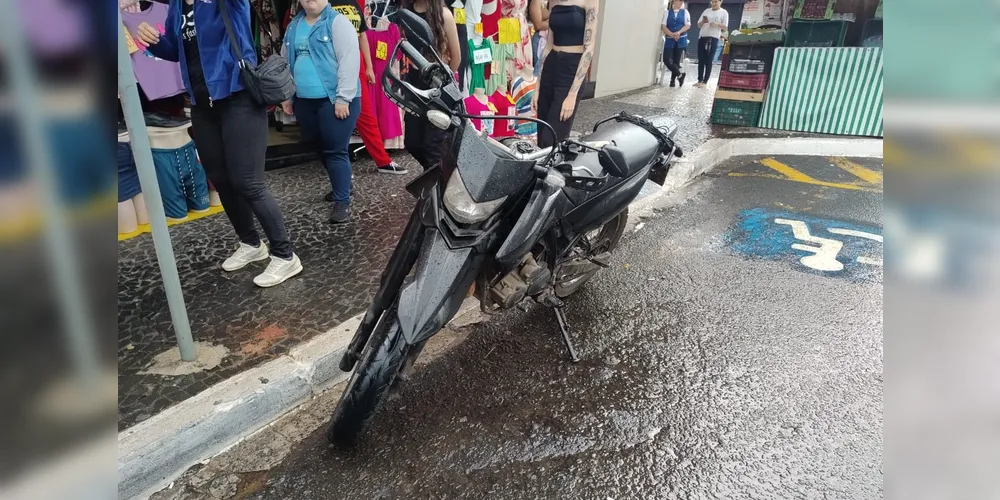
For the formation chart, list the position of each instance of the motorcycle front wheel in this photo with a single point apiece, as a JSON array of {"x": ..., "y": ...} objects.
[{"x": 371, "y": 382}]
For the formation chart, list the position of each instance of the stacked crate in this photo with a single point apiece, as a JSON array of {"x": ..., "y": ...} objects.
[{"x": 746, "y": 68}]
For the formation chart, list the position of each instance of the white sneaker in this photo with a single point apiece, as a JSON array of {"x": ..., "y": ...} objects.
[
  {"x": 278, "y": 271},
  {"x": 244, "y": 255}
]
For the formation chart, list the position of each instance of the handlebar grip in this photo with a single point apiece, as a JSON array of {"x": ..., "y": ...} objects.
[{"x": 415, "y": 56}]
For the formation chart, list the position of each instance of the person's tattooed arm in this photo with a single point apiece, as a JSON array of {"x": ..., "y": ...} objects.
[{"x": 589, "y": 40}]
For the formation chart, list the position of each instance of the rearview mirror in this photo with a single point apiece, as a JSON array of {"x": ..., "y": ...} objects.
[
  {"x": 417, "y": 31},
  {"x": 613, "y": 161}
]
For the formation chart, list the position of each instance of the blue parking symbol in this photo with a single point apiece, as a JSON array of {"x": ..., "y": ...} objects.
[{"x": 828, "y": 247}]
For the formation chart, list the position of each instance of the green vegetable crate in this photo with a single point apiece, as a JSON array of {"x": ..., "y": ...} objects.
[{"x": 736, "y": 113}]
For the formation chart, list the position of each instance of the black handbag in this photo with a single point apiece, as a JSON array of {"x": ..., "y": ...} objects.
[{"x": 270, "y": 83}]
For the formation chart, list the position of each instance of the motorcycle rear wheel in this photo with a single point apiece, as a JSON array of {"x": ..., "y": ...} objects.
[
  {"x": 603, "y": 240},
  {"x": 371, "y": 382}
]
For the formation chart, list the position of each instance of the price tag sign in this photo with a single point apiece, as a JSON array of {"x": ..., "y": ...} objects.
[
  {"x": 132, "y": 47},
  {"x": 510, "y": 30},
  {"x": 482, "y": 56},
  {"x": 382, "y": 51},
  {"x": 459, "y": 16}
]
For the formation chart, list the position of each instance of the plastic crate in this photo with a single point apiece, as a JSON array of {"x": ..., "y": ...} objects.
[
  {"x": 741, "y": 81},
  {"x": 871, "y": 35},
  {"x": 736, "y": 113},
  {"x": 751, "y": 58},
  {"x": 772, "y": 36},
  {"x": 803, "y": 33}
]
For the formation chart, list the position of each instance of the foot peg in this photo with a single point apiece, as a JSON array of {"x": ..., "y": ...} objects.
[{"x": 602, "y": 259}]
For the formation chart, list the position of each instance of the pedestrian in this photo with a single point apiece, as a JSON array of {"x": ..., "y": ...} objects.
[
  {"x": 676, "y": 23},
  {"x": 322, "y": 49},
  {"x": 538, "y": 11},
  {"x": 228, "y": 126},
  {"x": 565, "y": 63},
  {"x": 711, "y": 24},
  {"x": 425, "y": 141},
  {"x": 367, "y": 125}
]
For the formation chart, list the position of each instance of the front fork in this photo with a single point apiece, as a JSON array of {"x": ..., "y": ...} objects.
[{"x": 403, "y": 258}]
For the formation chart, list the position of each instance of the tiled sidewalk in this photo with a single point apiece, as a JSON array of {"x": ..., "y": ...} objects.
[{"x": 342, "y": 265}]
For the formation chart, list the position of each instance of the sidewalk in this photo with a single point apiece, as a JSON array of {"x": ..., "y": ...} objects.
[{"x": 342, "y": 266}]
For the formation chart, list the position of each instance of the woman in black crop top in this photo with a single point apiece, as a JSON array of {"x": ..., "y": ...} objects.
[
  {"x": 567, "y": 57},
  {"x": 422, "y": 140}
]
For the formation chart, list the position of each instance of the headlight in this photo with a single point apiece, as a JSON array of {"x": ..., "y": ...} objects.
[{"x": 460, "y": 205}]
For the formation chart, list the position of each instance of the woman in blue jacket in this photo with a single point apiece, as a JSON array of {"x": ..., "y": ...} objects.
[
  {"x": 322, "y": 48},
  {"x": 229, "y": 128},
  {"x": 676, "y": 23}
]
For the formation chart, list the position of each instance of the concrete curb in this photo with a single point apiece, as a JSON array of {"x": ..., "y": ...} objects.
[{"x": 155, "y": 451}]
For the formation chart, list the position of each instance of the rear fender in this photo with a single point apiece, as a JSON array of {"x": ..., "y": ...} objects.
[{"x": 441, "y": 281}]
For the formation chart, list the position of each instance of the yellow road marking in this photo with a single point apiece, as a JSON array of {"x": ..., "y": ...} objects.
[
  {"x": 866, "y": 174},
  {"x": 814, "y": 182},
  {"x": 791, "y": 174}
]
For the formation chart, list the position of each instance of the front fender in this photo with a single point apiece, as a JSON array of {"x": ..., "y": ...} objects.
[{"x": 441, "y": 280}]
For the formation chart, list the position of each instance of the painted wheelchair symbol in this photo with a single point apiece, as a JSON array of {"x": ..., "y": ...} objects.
[{"x": 824, "y": 251}]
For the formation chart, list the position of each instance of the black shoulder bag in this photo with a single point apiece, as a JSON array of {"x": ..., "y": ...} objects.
[{"x": 270, "y": 82}]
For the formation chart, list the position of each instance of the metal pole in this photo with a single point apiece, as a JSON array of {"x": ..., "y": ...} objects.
[
  {"x": 61, "y": 248},
  {"x": 129, "y": 95}
]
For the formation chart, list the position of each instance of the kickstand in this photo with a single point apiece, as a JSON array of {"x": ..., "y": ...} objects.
[{"x": 561, "y": 318}]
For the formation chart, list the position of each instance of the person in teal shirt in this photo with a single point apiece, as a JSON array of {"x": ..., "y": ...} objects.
[{"x": 322, "y": 49}]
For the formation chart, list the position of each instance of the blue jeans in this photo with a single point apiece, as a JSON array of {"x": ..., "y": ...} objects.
[
  {"x": 332, "y": 138},
  {"x": 718, "y": 52}
]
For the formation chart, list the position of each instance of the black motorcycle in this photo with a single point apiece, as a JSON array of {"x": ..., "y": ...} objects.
[{"x": 513, "y": 220}]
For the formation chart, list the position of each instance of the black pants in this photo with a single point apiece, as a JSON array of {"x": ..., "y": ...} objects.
[
  {"x": 558, "y": 72},
  {"x": 672, "y": 59},
  {"x": 463, "y": 41},
  {"x": 231, "y": 137},
  {"x": 423, "y": 141},
  {"x": 706, "y": 57}
]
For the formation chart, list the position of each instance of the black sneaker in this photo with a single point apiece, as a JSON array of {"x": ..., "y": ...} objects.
[
  {"x": 673, "y": 81},
  {"x": 681, "y": 78},
  {"x": 393, "y": 168},
  {"x": 341, "y": 213}
]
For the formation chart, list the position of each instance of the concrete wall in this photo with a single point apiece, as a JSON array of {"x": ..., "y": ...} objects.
[{"x": 628, "y": 45}]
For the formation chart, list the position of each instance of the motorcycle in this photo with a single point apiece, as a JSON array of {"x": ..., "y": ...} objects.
[{"x": 513, "y": 220}]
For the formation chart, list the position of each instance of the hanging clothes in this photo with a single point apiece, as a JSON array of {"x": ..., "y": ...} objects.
[
  {"x": 498, "y": 78},
  {"x": 504, "y": 105},
  {"x": 478, "y": 71},
  {"x": 491, "y": 18},
  {"x": 381, "y": 43},
  {"x": 270, "y": 27},
  {"x": 157, "y": 77},
  {"x": 475, "y": 107},
  {"x": 522, "y": 91},
  {"x": 522, "y": 59}
]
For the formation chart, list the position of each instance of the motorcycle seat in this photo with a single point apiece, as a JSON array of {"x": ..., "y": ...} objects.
[{"x": 639, "y": 146}]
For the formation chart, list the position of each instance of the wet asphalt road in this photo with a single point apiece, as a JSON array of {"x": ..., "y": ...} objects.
[{"x": 716, "y": 365}]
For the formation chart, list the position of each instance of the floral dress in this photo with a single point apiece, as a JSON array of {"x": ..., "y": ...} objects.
[{"x": 522, "y": 59}]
